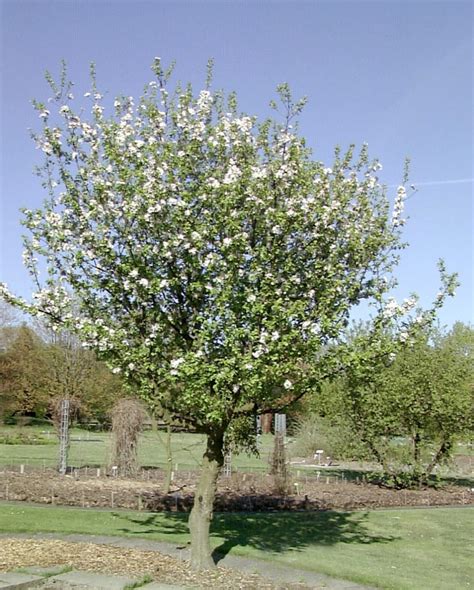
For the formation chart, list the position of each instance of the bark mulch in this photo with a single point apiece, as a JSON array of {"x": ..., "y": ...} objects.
[
  {"x": 21, "y": 553},
  {"x": 241, "y": 493}
]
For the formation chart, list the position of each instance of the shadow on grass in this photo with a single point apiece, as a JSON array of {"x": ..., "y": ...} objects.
[{"x": 268, "y": 532}]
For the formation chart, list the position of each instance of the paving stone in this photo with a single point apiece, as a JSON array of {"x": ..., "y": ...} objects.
[
  {"x": 52, "y": 570},
  {"x": 91, "y": 580},
  {"x": 158, "y": 586},
  {"x": 15, "y": 580}
]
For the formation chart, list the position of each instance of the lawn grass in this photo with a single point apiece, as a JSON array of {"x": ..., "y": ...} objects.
[
  {"x": 93, "y": 449},
  {"x": 392, "y": 549}
]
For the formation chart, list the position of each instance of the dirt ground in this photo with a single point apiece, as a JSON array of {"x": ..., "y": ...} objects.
[{"x": 239, "y": 492}]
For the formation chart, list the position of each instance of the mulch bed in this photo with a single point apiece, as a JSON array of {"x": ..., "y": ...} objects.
[{"x": 238, "y": 493}]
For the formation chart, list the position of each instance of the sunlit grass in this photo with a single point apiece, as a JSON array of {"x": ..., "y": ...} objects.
[
  {"x": 393, "y": 549},
  {"x": 93, "y": 449}
]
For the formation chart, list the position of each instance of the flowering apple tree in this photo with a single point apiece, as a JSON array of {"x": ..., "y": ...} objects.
[{"x": 211, "y": 258}]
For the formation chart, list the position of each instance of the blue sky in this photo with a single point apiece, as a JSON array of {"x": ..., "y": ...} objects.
[{"x": 397, "y": 75}]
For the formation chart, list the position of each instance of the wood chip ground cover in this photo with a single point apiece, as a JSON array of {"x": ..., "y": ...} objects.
[{"x": 21, "y": 553}]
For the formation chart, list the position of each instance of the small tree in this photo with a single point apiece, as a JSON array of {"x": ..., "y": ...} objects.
[
  {"x": 128, "y": 419},
  {"x": 431, "y": 390},
  {"x": 408, "y": 409},
  {"x": 213, "y": 259}
]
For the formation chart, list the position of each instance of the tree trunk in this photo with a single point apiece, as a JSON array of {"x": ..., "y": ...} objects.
[
  {"x": 416, "y": 448},
  {"x": 420, "y": 477},
  {"x": 442, "y": 452},
  {"x": 266, "y": 423},
  {"x": 201, "y": 514}
]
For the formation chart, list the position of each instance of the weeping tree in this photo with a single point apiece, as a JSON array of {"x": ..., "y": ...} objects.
[{"x": 214, "y": 260}]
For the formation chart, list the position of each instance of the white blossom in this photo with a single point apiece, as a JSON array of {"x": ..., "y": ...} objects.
[
  {"x": 403, "y": 336},
  {"x": 233, "y": 173},
  {"x": 315, "y": 328},
  {"x": 213, "y": 183},
  {"x": 399, "y": 207},
  {"x": 175, "y": 363},
  {"x": 391, "y": 308},
  {"x": 259, "y": 172}
]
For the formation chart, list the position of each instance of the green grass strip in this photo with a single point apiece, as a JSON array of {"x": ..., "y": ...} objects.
[{"x": 393, "y": 549}]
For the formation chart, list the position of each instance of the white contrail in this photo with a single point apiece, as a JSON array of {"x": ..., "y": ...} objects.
[
  {"x": 415, "y": 185},
  {"x": 435, "y": 182}
]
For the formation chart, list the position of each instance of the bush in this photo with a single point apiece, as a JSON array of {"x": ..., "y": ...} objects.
[
  {"x": 22, "y": 438},
  {"x": 313, "y": 432},
  {"x": 309, "y": 436}
]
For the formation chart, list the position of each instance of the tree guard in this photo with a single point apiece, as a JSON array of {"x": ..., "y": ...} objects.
[{"x": 63, "y": 435}]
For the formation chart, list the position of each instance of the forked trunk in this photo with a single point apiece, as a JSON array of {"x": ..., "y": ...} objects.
[{"x": 201, "y": 514}]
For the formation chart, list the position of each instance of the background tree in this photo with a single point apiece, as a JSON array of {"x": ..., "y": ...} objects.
[
  {"x": 39, "y": 367},
  {"x": 408, "y": 409},
  {"x": 8, "y": 315},
  {"x": 8, "y": 324},
  {"x": 101, "y": 391},
  {"x": 75, "y": 373},
  {"x": 212, "y": 258},
  {"x": 24, "y": 375}
]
